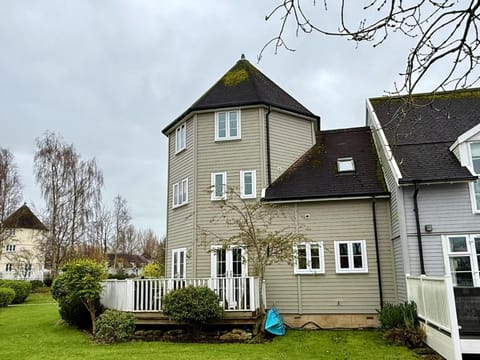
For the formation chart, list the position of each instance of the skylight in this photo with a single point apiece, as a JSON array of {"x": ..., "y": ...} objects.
[{"x": 345, "y": 164}]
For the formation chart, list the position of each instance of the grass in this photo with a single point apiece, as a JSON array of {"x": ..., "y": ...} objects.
[{"x": 34, "y": 331}]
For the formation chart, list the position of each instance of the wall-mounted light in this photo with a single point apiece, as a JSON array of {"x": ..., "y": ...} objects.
[{"x": 428, "y": 228}]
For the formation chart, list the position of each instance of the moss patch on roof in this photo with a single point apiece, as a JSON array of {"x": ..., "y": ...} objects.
[
  {"x": 444, "y": 95},
  {"x": 235, "y": 77}
]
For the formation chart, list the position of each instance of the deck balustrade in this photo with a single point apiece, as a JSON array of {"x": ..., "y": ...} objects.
[{"x": 145, "y": 295}]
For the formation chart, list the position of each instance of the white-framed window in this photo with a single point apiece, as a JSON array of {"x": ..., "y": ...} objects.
[
  {"x": 345, "y": 164},
  {"x": 11, "y": 248},
  {"x": 9, "y": 267},
  {"x": 219, "y": 186},
  {"x": 227, "y": 125},
  {"x": 181, "y": 138},
  {"x": 248, "y": 189},
  {"x": 463, "y": 254},
  {"x": 179, "y": 263},
  {"x": 351, "y": 256},
  {"x": 180, "y": 193},
  {"x": 475, "y": 159},
  {"x": 309, "y": 258}
]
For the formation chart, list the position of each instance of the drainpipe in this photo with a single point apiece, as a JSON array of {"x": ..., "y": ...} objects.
[
  {"x": 419, "y": 233},
  {"x": 267, "y": 131},
  {"x": 375, "y": 233}
]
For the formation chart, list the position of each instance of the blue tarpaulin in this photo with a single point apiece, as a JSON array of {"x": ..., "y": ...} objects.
[{"x": 274, "y": 322}]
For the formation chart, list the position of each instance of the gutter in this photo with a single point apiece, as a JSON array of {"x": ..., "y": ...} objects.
[
  {"x": 267, "y": 134},
  {"x": 375, "y": 233},
  {"x": 419, "y": 233}
]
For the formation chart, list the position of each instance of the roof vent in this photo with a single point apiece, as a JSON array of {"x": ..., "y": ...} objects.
[{"x": 345, "y": 165}]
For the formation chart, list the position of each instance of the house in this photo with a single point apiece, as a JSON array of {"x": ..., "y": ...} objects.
[
  {"x": 127, "y": 264},
  {"x": 429, "y": 149},
  {"x": 21, "y": 256},
  {"x": 247, "y": 133}
]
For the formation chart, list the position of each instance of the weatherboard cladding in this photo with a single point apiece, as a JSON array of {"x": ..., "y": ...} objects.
[
  {"x": 420, "y": 133},
  {"x": 244, "y": 85},
  {"x": 315, "y": 174}
]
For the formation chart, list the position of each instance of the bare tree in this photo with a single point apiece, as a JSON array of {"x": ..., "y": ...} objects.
[
  {"x": 443, "y": 32},
  {"x": 264, "y": 229},
  {"x": 153, "y": 248},
  {"x": 100, "y": 229},
  {"x": 23, "y": 261},
  {"x": 121, "y": 221},
  {"x": 71, "y": 188},
  {"x": 10, "y": 190}
]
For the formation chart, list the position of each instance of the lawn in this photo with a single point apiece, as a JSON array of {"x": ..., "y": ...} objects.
[{"x": 34, "y": 331}]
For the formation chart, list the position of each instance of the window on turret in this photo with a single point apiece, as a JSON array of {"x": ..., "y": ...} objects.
[
  {"x": 227, "y": 125},
  {"x": 181, "y": 138},
  {"x": 219, "y": 186},
  {"x": 180, "y": 193},
  {"x": 11, "y": 247},
  {"x": 247, "y": 184}
]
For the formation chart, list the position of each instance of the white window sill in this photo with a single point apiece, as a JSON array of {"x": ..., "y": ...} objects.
[
  {"x": 227, "y": 139},
  {"x": 180, "y": 205},
  {"x": 181, "y": 150},
  {"x": 360, "y": 271},
  {"x": 248, "y": 196},
  {"x": 309, "y": 272}
]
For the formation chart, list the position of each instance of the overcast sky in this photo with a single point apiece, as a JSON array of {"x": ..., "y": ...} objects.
[{"x": 110, "y": 75}]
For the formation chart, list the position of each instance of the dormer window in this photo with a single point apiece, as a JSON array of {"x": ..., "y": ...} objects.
[
  {"x": 345, "y": 165},
  {"x": 227, "y": 125}
]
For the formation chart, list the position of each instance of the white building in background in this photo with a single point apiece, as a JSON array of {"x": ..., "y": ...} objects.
[{"x": 21, "y": 257}]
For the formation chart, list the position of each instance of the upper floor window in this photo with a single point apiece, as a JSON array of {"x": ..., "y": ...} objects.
[
  {"x": 181, "y": 138},
  {"x": 309, "y": 258},
  {"x": 227, "y": 125},
  {"x": 475, "y": 154},
  {"x": 248, "y": 184},
  {"x": 345, "y": 164},
  {"x": 11, "y": 247},
  {"x": 351, "y": 256},
  {"x": 463, "y": 253},
  {"x": 180, "y": 193},
  {"x": 219, "y": 186}
]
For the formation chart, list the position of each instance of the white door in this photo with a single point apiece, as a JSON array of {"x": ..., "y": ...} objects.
[{"x": 229, "y": 269}]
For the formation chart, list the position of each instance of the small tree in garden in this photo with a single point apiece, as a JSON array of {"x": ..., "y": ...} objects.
[
  {"x": 80, "y": 281},
  {"x": 153, "y": 270},
  {"x": 264, "y": 229},
  {"x": 193, "y": 305}
]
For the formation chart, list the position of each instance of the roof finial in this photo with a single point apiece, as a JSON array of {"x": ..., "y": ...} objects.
[{"x": 242, "y": 57}]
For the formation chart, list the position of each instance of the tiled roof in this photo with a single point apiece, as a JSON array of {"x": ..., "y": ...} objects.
[
  {"x": 244, "y": 85},
  {"x": 421, "y": 133},
  {"x": 315, "y": 174},
  {"x": 23, "y": 218}
]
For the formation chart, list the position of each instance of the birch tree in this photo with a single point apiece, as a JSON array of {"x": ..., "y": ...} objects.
[
  {"x": 71, "y": 188},
  {"x": 10, "y": 191}
]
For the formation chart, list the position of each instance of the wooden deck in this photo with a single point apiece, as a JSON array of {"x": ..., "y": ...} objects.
[{"x": 229, "y": 318}]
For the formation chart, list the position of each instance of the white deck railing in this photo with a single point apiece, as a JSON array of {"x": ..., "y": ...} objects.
[
  {"x": 145, "y": 295},
  {"x": 436, "y": 307}
]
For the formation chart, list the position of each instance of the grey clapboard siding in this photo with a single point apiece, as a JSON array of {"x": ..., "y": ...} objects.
[
  {"x": 399, "y": 270},
  {"x": 290, "y": 138},
  {"x": 180, "y": 220},
  {"x": 332, "y": 292}
]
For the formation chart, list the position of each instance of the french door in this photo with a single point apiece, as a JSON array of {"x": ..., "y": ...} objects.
[{"x": 228, "y": 270}]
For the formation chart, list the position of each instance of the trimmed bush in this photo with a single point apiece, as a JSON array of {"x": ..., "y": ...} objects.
[
  {"x": 115, "y": 326},
  {"x": 22, "y": 289},
  {"x": 47, "y": 281},
  {"x": 6, "y": 296},
  {"x": 194, "y": 305},
  {"x": 36, "y": 284},
  {"x": 77, "y": 289}
]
